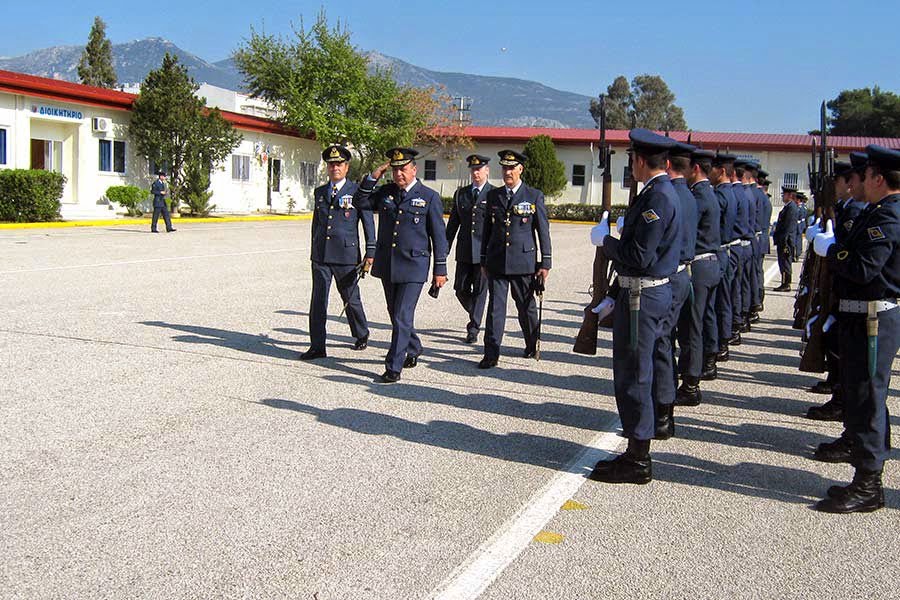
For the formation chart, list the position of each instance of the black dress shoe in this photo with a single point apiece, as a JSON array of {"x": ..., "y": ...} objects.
[
  {"x": 784, "y": 287},
  {"x": 754, "y": 318},
  {"x": 487, "y": 363},
  {"x": 154, "y": 231},
  {"x": 756, "y": 309},
  {"x": 471, "y": 337},
  {"x": 745, "y": 326},
  {"x": 529, "y": 353},
  {"x": 390, "y": 376},
  {"x": 362, "y": 343},
  {"x": 625, "y": 468},
  {"x": 170, "y": 230},
  {"x": 688, "y": 394},
  {"x": 709, "y": 372},
  {"x": 664, "y": 427},
  {"x": 722, "y": 355},
  {"x": 833, "y": 410},
  {"x": 410, "y": 362},
  {"x": 864, "y": 494},
  {"x": 838, "y": 451},
  {"x": 735, "y": 339},
  {"x": 821, "y": 387},
  {"x": 313, "y": 354}
]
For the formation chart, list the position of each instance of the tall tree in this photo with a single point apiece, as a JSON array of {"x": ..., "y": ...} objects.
[
  {"x": 544, "y": 170},
  {"x": 865, "y": 112},
  {"x": 320, "y": 83},
  {"x": 96, "y": 65},
  {"x": 619, "y": 102},
  {"x": 648, "y": 98},
  {"x": 172, "y": 126}
]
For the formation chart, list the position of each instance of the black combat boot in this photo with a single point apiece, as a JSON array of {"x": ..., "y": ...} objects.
[
  {"x": 785, "y": 284},
  {"x": 709, "y": 372},
  {"x": 665, "y": 421},
  {"x": 722, "y": 355},
  {"x": 838, "y": 451},
  {"x": 689, "y": 392},
  {"x": 864, "y": 494},
  {"x": 833, "y": 410},
  {"x": 633, "y": 466},
  {"x": 735, "y": 337}
]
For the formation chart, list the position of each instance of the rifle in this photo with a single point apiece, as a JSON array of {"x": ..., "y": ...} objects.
[
  {"x": 586, "y": 341},
  {"x": 812, "y": 358},
  {"x": 802, "y": 299}
]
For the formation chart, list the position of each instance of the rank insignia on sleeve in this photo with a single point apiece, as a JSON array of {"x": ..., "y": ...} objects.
[
  {"x": 875, "y": 233},
  {"x": 650, "y": 216},
  {"x": 842, "y": 255},
  {"x": 418, "y": 203}
]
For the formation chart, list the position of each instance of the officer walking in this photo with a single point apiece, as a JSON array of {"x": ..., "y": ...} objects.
[
  {"x": 784, "y": 238},
  {"x": 467, "y": 220},
  {"x": 866, "y": 268},
  {"x": 335, "y": 252},
  {"x": 515, "y": 220},
  {"x": 160, "y": 191},
  {"x": 645, "y": 257},
  {"x": 410, "y": 231}
]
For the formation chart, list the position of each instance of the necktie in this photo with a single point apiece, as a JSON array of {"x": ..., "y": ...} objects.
[
  {"x": 509, "y": 195},
  {"x": 475, "y": 192},
  {"x": 334, "y": 192}
]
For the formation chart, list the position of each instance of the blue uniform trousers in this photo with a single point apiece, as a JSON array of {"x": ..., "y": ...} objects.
[
  {"x": 632, "y": 374},
  {"x": 161, "y": 208},
  {"x": 866, "y": 415},
  {"x": 345, "y": 278},
  {"x": 521, "y": 288},
  {"x": 471, "y": 291},
  {"x": 785, "y": 258},
  {"x": 724, "y": 307},
  {"x": 402, "y": 299},
  {"x": 740, "y": 285},
  {"x": 756, "y": 273},
  {"x": 697, "y": 327},
  {"x": 665, "y": 378}
]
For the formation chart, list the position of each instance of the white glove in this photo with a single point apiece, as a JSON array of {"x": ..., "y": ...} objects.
[
  {"x": 824, "y": 241},
  {"x": 604, "y": 308},
  {"x": 809, "y": 325},
  {"x": 812, "y": 219},
  {"x": 600, "y": 230},
  {"x": 813, "y": 230},
  {"x": 828, "y": 323},
  {"x": 620, "y": 225}
]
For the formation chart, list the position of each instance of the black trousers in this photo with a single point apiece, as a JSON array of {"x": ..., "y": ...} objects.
[
  {"x": 345, "y": 278},
  {"x": 166, "y": 217},
  {"x": 499, "y": 287},
  {"x": 472, "y": 292}
]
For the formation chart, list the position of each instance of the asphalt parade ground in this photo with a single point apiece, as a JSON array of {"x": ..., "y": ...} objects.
[{"x": 160, "y": 439}]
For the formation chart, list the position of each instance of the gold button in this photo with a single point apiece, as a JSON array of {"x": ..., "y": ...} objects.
[
  {"x": 401, "y": 212},
  {"x": 329, "y": 227},
  {"x": 327, "y": 237},
  {"x": 393, "y": 245},
  {"x": 330, "y": 216},
  {"x": 396, "y": 222},
  {"x": 507, "y": 243}
]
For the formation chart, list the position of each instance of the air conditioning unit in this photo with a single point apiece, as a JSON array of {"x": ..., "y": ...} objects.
[{"x": 100, "y": 124}]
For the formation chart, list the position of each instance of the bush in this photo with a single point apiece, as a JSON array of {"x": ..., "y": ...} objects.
[
  {"x": 196, "y": 187},
  {"x": 30, "y": 196},
  {"x": 583, "y": 212},
  {"x": 129, "y": 196}
]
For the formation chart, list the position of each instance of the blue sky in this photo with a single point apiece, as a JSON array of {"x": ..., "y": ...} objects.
[{"x": 760, "y": 66}]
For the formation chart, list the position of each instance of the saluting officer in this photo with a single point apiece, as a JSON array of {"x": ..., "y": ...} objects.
[
  {"x": 645, "y": 257},
  {"x": 866, "y": 268},
  {"x": 410, "y": 230},
  {"x": 784, "y": 238},
  {"x": 467, "y": 219},
  {"x": 335, "y": 252},
  {"x": 515, "y": 220}
]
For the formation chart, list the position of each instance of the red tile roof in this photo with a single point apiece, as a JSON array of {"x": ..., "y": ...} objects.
[{"x": 66, "y": 91}]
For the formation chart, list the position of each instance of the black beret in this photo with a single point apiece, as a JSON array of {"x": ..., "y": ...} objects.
[
  {"x": 511, "y": 158},
  {"x": 476, "y": 161},
  {"x": 401, "y": 156},
  {"x": 335, "y": 154}
]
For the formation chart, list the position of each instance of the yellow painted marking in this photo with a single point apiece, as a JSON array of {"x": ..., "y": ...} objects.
[
  {"x": 548, "y": 537},
  {"x": 179, "y": 220},
  {"x": 572, "y": 505}
]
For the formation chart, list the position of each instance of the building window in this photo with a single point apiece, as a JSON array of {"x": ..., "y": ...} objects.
[
  {"x": 791, "y": 180},
  {"x": 430, "y": 170},
  {"x": 240, "y": 167},
  {"x": 2, "y": 146},
  {"x": 275, "y": 174},
  {"x": 577, "y": 175},
  {"x": 309, "y": 173},
  {"x": 626, "y": 178},
  {"x": 112, "y": 156}
]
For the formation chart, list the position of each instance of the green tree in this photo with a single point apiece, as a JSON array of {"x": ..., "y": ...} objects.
[
  {"x": 648, "y": 98},
  {"x": 96, "y": 65},
  {"x": 618, "y": 105},
  {"x": 171, "y": 125},
  {"x": 320, "y": 83},
  {"x": 865, "y": 112},
  {"x": 543, "y": 170}
]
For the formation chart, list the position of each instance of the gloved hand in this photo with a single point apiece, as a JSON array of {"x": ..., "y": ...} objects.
[
  {"x": 600, "y": 230},
  {"x": 809, "y": 325},
  {"x": 812, "y": 219},
  {"x": 813, "y": 230},
  {"x": 620, "y": 225},
  {"x": 828, "y": 323},
  {"x": 824, "y": 241},
  {"x": 605, "y": 307}
]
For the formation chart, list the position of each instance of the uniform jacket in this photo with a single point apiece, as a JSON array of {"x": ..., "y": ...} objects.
[
  {"x": 467, "y": 219},
  {"x": 687, "y": 211},
  {"x": 335, "y": 227},
  {"x": 866, "y": 265},
  {"x": 650, "y": 243},
  {"x": 728, "y": 210},
  {"x": 512, "y": 229},
  {"x": 844, "y": 216},
  {"x": 742, "y": 228},
  {"x": 786, "y": 226},
  {"x": 157, "y": 189},
  {"x": 410, "y": 230},
  {"x": 763, "y": 220},
  {"x": 708, "y": 218}
]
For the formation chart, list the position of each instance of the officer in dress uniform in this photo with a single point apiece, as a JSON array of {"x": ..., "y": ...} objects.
[
  {"x": 783, "y": 236},
  {"x": 335, "y": 252},
  {"x": 802, "y": 222},
  {"x": 763, "y": 225},
  {"x": 720, "y": 175},
  {"x": 759, "y": 203},
  {"x": 160, "y": 189},
  {"x": 467, "y": 220},
  {"x": 410, "y": 232},
  {"x": 515, "y": 220},
  {"x": 866, "y": 268},
  {"x": 740, "y": 287},
  {"x": 645, "y": 257},
  {"x": 697, "y": 327}
]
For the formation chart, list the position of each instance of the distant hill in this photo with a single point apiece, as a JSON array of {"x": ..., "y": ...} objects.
[{"x": 495, "y": 100}]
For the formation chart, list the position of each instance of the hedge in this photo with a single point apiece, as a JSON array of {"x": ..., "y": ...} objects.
[
  {"x": 128, "y": 196},
  {"x": 567, "y": 212},
  {"x": 30, "y": 196}
]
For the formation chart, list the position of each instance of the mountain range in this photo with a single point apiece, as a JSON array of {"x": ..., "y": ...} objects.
[{"x": 497, "y": 101}]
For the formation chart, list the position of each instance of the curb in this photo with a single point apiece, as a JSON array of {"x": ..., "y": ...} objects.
[{"x": 142, "y": 221}]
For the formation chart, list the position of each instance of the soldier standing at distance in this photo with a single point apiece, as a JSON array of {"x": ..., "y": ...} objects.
[
  {"x": 784, "y": 238},
  {"x": 467, "y": 220},
  {"x": 515, "y": 220},
  {"x": 160, "y": 191},
  {"x": 720, "y": 176},
  {"x": 410, "y": 230},
  {"x": 335, "y": 252}
]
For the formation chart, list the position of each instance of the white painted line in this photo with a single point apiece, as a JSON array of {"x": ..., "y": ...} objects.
[
  {"x": 771, "y": 272},
  {"x": 471, "y": 578},
  {"x": 149, "y": 260}
]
